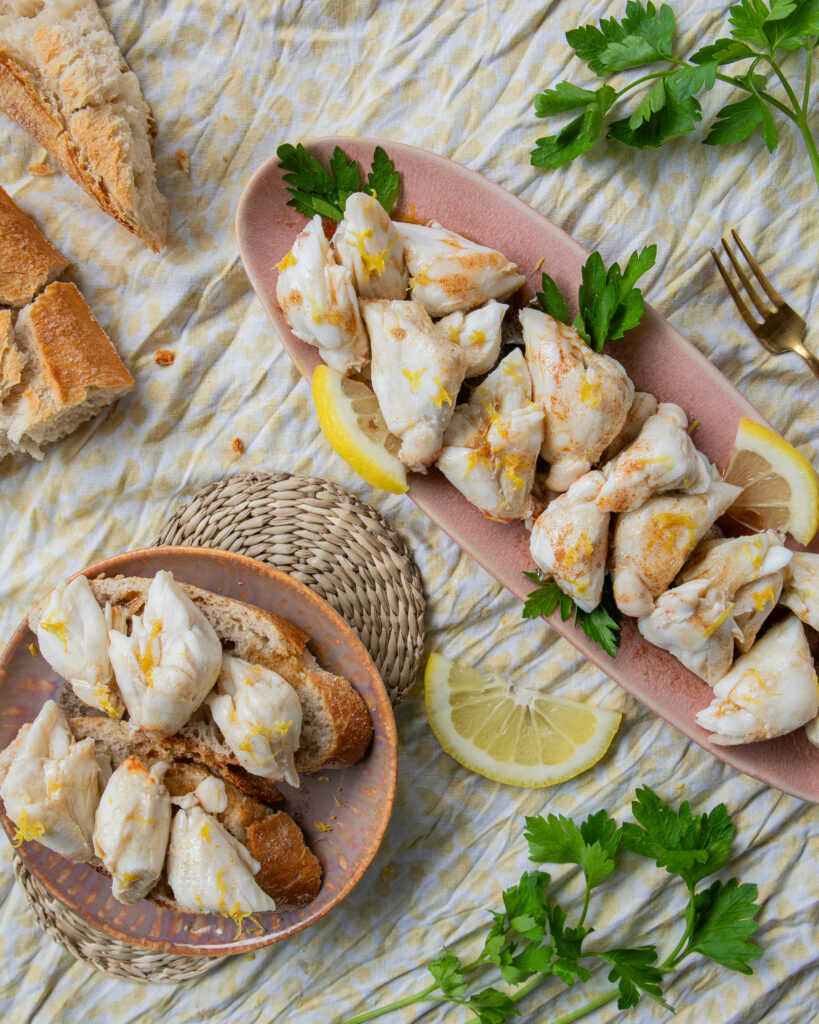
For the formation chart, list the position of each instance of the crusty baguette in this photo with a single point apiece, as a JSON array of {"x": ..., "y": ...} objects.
[
  {"x": 336, "y": 726},
  {"x": 65, "y": 81},
  {"x": 72, "y": 370},
  {"x": 28, "y": 262},
  {"x": 289, "y": 872}
]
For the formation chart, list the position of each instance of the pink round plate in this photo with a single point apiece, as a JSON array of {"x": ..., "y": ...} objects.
[
  {"x": 354, "y": 802},
  {"x": 657, "y": 357}
]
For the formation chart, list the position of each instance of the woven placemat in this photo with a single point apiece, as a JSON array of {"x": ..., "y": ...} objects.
[
  {"x": 326, "y": 538},
  {"x": 99, "y": 950}
]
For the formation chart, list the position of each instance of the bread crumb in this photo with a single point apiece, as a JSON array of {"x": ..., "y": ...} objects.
[
  {"x": 164, "y": 357},
  {"x": 183, "y": 161},
  {"x": 42, "y": 167},
  {"x": 238, "y": 446},
  {"x": 224, "y": 158},
  {"x": 387, "y": 872}
]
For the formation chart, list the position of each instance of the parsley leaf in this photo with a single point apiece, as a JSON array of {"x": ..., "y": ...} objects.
[
  {"x": 723, "y": 51},
  {"x": 383, "y": 180},
  {"x": 688, "y": 845},
  {"x": 446, "y": 970},
  {"x": 568, "y": 944},
  {"x": 739, "y": 120},
  {"x": 609, "y": 303},
  {"x": 643, "y": 37},
  {"x": 602, "y": 625},
  {"x": 593, "y": 845},
  {"x": 492, "y": 1007},
  {"x": 316, "y": 190},
  {"x": 564, "y": 96},
  {"x": 668, "y": 111},
  {"x": 577, "y": 136},
  {"x": 633, "y": 973},
  {"x": 723, "y": 922},
  {"x": 793, "y": 30},
  {"x": 551, "y": 301}
]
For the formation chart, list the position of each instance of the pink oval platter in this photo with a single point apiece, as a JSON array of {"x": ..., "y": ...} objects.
[
  {"x": 353, "y": 804},
  {"x": 434, "y": 188}
]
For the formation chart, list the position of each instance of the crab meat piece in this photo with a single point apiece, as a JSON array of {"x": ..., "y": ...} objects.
[
  {"x": 694, "y": 622},
  {"x": 73, "y": 639},
  {"x": 260, "y": 717},
  {"x": 585, "y": 396},
  {"x": 319, "y": 301},
  {"x": 52, "y": 786},
  {"x": 643, "y": 405},
  {"x": 768, "y": 692},
  {"x": 652, "y": 542},
  {"x": 452, "y": 273},
  {"x": 748, "y": 570},
  {"x": 367, "y": 243},
  {"x": 662, "y": 458},
  {"x": 569, "y": 541},
  {"x": 131, "y": 828},
  {"x": 208, "y": 868},
  {"x": 170, "y": 661},
  {"x": 416, "y": 375},
  {"x": 801, "y": 590},
  {"x": 492, "y": 442},
  {"x": 479, "y": 335}
]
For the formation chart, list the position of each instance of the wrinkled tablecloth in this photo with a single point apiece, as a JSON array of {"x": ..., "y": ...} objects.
[{"x": 229, "y": 81}]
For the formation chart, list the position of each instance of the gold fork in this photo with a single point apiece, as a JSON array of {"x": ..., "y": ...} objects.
[{"x": 782, "y": 328}]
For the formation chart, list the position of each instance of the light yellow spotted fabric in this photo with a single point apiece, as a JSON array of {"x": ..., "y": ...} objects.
[{"x": 228, "y": 81}]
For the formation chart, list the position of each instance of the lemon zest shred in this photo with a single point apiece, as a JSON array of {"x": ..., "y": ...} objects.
[
  {"x": 414, "y": 378},
  {"x": 27, "y": 829},
  {"x": 57, "y": 629},
  {"x": 717, "y": 622},
  {"x": 287, "y": 261}
]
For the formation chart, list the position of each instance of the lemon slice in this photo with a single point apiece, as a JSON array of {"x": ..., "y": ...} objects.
[
  {"x": 515, "y": 734},
  {"x": 352, "y": 422},
  {"x": 780, "y": 489}
]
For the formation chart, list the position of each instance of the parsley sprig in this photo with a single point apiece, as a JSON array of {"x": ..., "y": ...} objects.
[
  {"x": 763, "y": 37},
  {"x": 315, "y": 189},
  {"x": 530, "y": 939},
  {"x": 601, "y": 625},
  {"x": 608, "y": 303}
]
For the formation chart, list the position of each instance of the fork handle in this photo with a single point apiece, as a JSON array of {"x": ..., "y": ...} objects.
[{"x": 809, "y": 357}]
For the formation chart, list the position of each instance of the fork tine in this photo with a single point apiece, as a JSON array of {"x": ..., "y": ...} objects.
[
  {"x": 732, "y": 288},
  {"x": 773, "y": 294},
  {"x": 749, "y": 288}
]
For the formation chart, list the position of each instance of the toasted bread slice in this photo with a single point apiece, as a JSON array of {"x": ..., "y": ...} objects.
[
  {"x": 71, "y": 372},
  {"x": 65, "y": 81},
  {"x": 289, "y": 872},
  {"x": 28, "y": 261},
  {"x": 336, "y": 726}
]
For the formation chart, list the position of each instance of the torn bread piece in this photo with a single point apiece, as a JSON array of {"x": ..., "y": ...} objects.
[
  {"x": 28, "y": 261},
  {"x": 72, "y": 370},
  {"x": 65, "y": 81}
]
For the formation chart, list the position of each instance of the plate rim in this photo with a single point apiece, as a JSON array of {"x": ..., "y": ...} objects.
[{"x": 387, "y": 720}]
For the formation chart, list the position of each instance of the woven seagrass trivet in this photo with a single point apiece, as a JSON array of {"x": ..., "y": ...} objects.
[
  {"x": 99, "y": 950},
  {"x": 326, "y": 538}
]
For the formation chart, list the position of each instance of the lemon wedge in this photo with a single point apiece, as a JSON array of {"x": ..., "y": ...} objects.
[
  {"x": 509, "y": 733},
  {"x": 780, "y": 488},
  {"x": 353, "y": 424}
]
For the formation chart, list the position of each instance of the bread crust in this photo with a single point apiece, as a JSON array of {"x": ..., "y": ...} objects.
[
  {"x": 28, "y": 261},
  {"x": 74, "y": 352}
]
